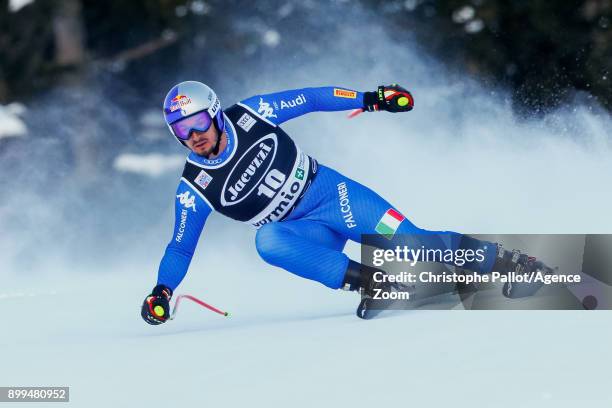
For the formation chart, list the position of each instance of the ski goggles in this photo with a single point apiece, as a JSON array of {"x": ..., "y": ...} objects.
[{"x": 200, "y": 121}]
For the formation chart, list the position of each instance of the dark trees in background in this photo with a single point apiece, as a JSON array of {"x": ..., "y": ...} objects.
[
  {"x": 48, "y": 41},
  {"x": 542, "y": 49},
  {"x": 68, "y": 33},
  {"x": 25, "y": 41}
]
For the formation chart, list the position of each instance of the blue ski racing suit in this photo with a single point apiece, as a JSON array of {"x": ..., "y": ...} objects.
[{"x": 304, "y": 211}]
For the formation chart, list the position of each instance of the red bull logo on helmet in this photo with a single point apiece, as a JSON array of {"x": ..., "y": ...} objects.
[{"x": 178, "y": 102}]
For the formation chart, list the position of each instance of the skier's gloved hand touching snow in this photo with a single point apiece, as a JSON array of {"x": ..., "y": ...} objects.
[
  {"x": 156, "y": 307},
  {"x": 391, "y": 98}
]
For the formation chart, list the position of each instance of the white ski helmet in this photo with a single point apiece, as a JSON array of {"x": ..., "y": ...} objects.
[{"x": 192, "y": 99}]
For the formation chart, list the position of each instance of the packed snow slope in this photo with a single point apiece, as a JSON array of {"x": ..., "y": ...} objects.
[{"x": 291, "y": 343}]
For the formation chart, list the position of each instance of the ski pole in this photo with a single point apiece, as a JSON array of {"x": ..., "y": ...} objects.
[
  {"x": 199, "y": 302},
  {"x": 354, "y": 113}
]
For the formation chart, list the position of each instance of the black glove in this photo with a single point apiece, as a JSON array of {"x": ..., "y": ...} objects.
[
  {"x": 156, "y": 306},
  {"x": 392, "y": 98}
]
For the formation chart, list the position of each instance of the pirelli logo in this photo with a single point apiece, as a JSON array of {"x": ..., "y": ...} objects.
[{"x": 343, "y": 93}]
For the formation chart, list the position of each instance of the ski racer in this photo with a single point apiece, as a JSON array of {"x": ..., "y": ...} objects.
[{"x": 243, "y": 165}]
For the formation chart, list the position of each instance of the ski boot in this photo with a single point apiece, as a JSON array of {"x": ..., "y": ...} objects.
[
  {"x": 521, "y": 264},
  {"x": 360, "y": 278}
]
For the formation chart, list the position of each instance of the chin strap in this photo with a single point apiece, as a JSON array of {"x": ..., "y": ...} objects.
[{"x": 215, "y": 150}]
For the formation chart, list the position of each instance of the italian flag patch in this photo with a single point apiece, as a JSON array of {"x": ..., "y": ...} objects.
[{"x": 389, "y": 223}]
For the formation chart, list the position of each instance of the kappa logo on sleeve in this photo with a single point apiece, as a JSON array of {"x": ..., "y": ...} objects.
[
  {"x": 343, "y": 93},
  {"x": 203, "y": 179},
  {"x": 265, "y": 110},
  {"x": 187, "y": 200},
  {"x": 246, "y": 122}
]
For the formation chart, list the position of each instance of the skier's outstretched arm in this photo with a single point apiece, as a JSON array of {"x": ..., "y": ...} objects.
[
  {"x": 191, "y": 212},
  {"x": 282, "y": 106}
]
